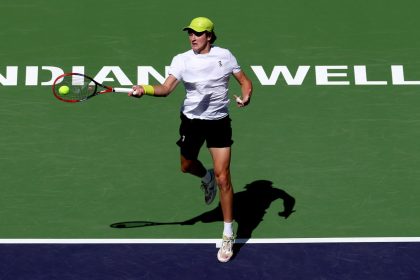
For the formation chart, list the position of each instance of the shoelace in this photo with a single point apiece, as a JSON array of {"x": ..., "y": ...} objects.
[{"x": 227, "y": 245}]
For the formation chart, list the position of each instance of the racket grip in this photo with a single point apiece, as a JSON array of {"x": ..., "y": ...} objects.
[{"x": 122, "y": 90}]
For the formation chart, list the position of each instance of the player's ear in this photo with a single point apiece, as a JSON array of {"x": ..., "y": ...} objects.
[{"x": 210, "y": 37}]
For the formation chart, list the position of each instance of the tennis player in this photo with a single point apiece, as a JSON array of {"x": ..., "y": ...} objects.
[{"x": 205, "y": 71}]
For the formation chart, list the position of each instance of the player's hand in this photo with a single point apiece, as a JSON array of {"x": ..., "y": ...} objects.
[
  {"x": 138, "y": 92},
  {"x": 241, "y": 101}
]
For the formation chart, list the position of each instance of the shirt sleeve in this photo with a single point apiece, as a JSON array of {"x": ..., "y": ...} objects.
[
  {"x": 234, "y": 63},
  {"x": 177, "y": 67}
]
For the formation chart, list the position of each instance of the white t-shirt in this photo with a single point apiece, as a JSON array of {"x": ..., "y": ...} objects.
[{"x": 206, "y": 81}]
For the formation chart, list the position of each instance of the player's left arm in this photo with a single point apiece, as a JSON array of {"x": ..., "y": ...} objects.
[{"x": 246, "y": 88}]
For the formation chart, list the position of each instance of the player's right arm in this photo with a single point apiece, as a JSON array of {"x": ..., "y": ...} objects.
[{"x": 162, "y": 90}]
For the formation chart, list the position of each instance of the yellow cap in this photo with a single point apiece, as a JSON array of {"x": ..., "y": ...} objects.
[{"x": 201, "y": 24}]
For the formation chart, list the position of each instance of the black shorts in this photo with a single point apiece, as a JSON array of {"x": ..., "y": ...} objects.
[{"x": 193, "y": 133}]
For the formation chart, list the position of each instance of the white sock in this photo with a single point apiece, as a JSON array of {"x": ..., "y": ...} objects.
[
  {"x": 228, "y": 229},
  {"x": 207, "y": 178}
]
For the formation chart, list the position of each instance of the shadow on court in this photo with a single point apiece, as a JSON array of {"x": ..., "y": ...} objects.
[{"x": 250, "y": 207}]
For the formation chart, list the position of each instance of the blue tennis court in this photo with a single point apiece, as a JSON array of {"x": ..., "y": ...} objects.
[{"x": 384, "y": 261}]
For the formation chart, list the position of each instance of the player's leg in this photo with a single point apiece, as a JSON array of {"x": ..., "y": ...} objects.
[
  {"x": 208, "y": 180},
  {"x": 190, "y": 142},
  {"x": 192, "y": 166},
  {"x": 221, "y": 161}
]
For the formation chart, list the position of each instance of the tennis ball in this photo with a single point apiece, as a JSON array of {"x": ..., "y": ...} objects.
[{"x": 63, "y": 90}]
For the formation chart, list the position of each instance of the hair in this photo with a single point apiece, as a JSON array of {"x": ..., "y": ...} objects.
[{"x": 213, "y": 37}]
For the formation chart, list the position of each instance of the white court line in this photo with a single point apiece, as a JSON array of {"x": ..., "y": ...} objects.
[{"x": 214, "y": 241}]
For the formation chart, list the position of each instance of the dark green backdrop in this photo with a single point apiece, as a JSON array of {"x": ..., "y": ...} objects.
[{"x": 349, "y": 155}]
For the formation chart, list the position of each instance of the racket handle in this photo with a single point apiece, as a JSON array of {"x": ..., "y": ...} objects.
[{"x": 122, "y": 90}]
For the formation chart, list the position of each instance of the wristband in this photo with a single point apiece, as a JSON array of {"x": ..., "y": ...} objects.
[{"x": 148, "y": 89}]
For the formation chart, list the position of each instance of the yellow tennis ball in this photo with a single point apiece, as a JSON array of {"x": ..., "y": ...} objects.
[{"x": 63, "y": 90}]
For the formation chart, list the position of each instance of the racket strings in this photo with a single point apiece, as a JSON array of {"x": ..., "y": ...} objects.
[{"x": 79, "y": 88}]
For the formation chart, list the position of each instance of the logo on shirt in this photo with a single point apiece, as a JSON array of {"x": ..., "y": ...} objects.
[{"x": 220, "y": 63}]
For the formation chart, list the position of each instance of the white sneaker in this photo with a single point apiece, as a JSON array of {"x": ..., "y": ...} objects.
[
  {"x": 209, "y": 189},
  {"x": 226, "y": 250}
]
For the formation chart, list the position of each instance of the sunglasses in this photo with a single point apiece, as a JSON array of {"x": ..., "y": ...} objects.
[{"x": 198, "y": 34}]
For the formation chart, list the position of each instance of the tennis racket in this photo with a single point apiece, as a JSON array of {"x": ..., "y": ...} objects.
[{"x": 76, "y": 87}]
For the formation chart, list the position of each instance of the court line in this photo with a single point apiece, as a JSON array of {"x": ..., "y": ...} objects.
[{"x": 212, "y": 241}]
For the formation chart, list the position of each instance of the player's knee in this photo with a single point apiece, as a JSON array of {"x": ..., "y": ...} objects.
[
  {"x": 188, "y": 166},
  {"x": 223, "y": 181},
  {"x": 185, "y": 167}
]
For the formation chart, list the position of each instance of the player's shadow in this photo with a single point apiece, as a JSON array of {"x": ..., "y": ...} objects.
[{"x": 250, "y": 207}]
